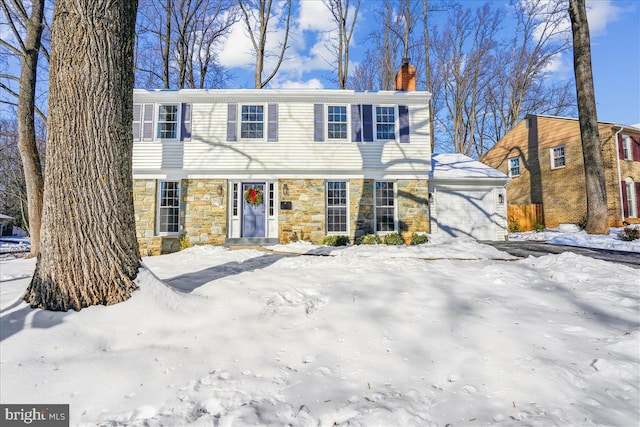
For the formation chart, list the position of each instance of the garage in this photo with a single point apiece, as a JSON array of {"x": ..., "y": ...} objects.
[{"x": 467, "y": 198}]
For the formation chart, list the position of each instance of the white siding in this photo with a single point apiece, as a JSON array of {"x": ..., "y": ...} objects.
[{"x": 295, "y": 153}]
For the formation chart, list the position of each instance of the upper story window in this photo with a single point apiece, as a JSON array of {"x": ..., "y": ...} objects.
[
  {"x": 627, "y": 153},
  {"x": 167, "y": 127},
  {"x": 252, "y": 122},
  {"x": 558, "y": 159},
  {"x": 385, "y": 123},
  {"x": 514, "y": 166},
  {"x": 171, "y": 121},
  {"x": 337, "y": 122}
]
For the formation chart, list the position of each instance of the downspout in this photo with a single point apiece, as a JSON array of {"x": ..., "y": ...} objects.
[{"x": 617, "y": 151}]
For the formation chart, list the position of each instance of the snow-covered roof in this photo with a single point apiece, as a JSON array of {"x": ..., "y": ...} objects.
[{"x": 459, "y": 166}]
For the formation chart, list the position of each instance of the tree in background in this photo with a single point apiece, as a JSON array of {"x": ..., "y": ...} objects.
[
  {"x": 89, "y": 253},
  {"x": 257, "y": 14},
  {"x": 591, "y": 150},
  {"x": 176, "y": 42},
  {"x": 344, "y": 17},
  {"x": 26, "y": 31}
]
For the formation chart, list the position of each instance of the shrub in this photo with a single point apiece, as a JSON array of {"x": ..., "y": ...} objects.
[
  {"x": 582, "y": 224},
  {"x": 629, "y": 234},
  {"x": 393, "y": 239},
  {"x": 336, "y": 240},
  {"x": 185, "y": 242},
  {"x": 538, "y": 226},
  {"x": 419, "y": 239},
  {"x": 514, "y": 227},
  {"x": 368, "y": 239}
]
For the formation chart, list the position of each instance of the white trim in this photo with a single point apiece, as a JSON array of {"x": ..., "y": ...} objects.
[
  {"x": 630, "y": 187},
  {"x": 157, "y": 122},
  {"x": 347, "y": 108},
  {"x": 627, "y": 148},
  {"x": 158, "y": 207},
  {"x": 510, "y": 167},
  {"x": 396, "y": 123},
  {"x": 265, "y": 121}
]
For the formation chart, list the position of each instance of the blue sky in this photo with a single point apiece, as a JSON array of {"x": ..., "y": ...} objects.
[{"x": 615, "y": 43}]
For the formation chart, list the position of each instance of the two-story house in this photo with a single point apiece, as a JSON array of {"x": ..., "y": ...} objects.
[{"x": 543, "y": 156}]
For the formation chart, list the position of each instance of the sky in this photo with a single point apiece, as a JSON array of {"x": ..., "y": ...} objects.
[
  {"x": 452, "y": 332},
  {"x": 615, "y": 43}
]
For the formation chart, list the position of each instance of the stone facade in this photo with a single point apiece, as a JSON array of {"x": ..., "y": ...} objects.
[
  {"x": 204, "y": 210},
  {"x": 413, "y": 207},
  {"x": 306, "y": 218}
]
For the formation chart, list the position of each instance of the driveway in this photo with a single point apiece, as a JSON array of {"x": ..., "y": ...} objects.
[{"x": 524, "y": 249}]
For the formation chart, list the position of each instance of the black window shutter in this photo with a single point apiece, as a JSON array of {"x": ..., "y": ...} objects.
[
  {"x": 185, "y": 128},
  {"x": 318, "y": 122},
  {"x": 403, "y": 112},
  {"x": 232, "y": 122},
  {"x": 272, "y": 129},
  {"x": 625, "y": 201},
  {"x": 367, "y": 122}
]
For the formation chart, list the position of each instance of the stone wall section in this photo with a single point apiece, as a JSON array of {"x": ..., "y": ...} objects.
[
  {"x": 144, "y": 203},
  {"x": 306, "y": 219},
  {"x": 361, "y": 214},
  {"x": 204, "y": 210},
  {"x": 413, "y": 207}
]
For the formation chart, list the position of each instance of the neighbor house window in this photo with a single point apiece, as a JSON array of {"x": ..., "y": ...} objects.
[
  {"x": 169, "y": 207},
  {"x": 252, "y": 122},
  {"x": 385, "y": 123},
  {"x": 336, "y": 122},
  {"x": 558, "y": 159},
  {"x": 336, "y": 207},
  {"x": 514, "y": 166},
  {"x": 630, "y": 192},
  {"x": 384, "y": 206},
  {"x": 627, "y": 154},
  {"x": 167, "y": 122}
]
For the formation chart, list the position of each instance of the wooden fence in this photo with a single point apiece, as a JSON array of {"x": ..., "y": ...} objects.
[{"x": 524, "y": 217}]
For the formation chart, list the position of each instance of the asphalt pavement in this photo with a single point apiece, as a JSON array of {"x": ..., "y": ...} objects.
[{"x": 524, "y": 249}]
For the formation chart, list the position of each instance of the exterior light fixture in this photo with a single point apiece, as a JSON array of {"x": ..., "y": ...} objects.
[{"x": 285, "y": 189}]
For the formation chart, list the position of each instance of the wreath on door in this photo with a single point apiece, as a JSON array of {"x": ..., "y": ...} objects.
[{"x": 253, "y": 196}]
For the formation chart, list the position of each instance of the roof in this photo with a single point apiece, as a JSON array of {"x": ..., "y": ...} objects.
[
  {"x": 634, "y": 127},
  {"x": 459, "y": 166}
]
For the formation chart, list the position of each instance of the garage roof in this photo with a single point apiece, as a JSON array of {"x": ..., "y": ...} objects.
[{"x": 458, "y": 166}]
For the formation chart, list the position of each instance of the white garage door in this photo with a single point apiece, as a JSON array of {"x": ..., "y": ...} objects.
[{"x": 467, "y": 213}]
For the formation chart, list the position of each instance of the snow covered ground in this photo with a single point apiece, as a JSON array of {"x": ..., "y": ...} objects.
[{"x": 452, "y": 332}]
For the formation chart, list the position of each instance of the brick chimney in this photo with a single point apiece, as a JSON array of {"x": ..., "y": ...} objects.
[{"x": 406, "y": 76}]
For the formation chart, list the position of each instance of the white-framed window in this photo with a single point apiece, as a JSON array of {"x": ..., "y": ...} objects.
[
  {"x": 168, "y": 218},
  {"x": 627, "y": 154},
  {"x": 514, "y": 166},
  {"x": 252, "y": 122},
  {"x": 337, "y": 217},
  {"x": 385, "y": 206},
  {"x": 630, "y": 192},
  {"x": 337, "y": 125},
  {"x": 558, "y": 159},
  {"x": 167, "y": 125},
  {"x": 385, "y": 118}
]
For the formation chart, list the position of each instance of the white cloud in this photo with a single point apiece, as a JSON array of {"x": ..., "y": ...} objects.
[
  {"x": 299, "y": 84},
  {"x": 315, "y": 16},
  {"x": 601, "y": 13},
  {"x": 236, "y": 50}
]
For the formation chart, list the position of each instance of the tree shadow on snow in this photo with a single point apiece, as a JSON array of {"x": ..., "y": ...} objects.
[
  {"x": 15, "y": 321},
  {"x": 188, "y": 282}
]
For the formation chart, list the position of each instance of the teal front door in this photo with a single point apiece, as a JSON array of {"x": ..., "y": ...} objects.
[{"x": 253, "y": 217}]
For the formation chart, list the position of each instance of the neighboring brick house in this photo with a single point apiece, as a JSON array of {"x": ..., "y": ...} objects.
[{"x": 543, "y": 157}]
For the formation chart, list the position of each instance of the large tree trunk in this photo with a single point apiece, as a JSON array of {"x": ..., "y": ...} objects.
[
  {"x": 26, "y": 125},
  {"x": 89, "y": 252},
  {"x": 593, "y": 162}
]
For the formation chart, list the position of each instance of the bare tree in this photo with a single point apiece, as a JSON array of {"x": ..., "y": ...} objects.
[
  {"x": 345, "y": 25},
  {"x": 464, "y": 72},
  {"x": 257, "y": 14},
  {"x": 27, "y": 47},
  {"x": 597, "y": 222},
  {"x": 89, "y": 252}
]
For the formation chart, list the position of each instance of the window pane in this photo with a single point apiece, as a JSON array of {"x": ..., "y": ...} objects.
[
  {"x": 337, "y": 122},
  {"x": 169, "y": 207},
  {"x": 336, "y": 206},
  {"x": 385, "y": 210},
  {"x": 252, "y": 121},
  {"x": 167, "y": 121},
  {"x": 385, "y": 123}
]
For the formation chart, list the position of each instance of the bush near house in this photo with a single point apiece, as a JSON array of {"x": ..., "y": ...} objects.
[
  {"x": 629, "y": 234},
  {"x": 336, "y": 241},
  {"x": 419, "y": 239},
  {"x": 393, "y": 239},
  {"x": 368, "y": 239}
]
